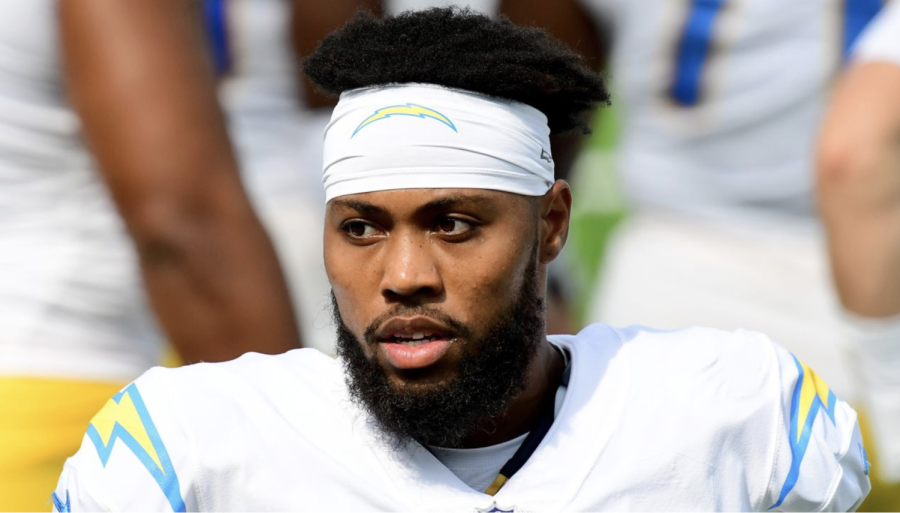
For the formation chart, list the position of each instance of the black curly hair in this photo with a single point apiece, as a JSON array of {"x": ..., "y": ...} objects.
[{"x": 461, "y": 49}]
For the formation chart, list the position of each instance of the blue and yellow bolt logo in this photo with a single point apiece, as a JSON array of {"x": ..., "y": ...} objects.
[
  {"x": 410, "y": 109},
  {"x": 125, "y": 420},
  {"x": 811, "y": 397}
]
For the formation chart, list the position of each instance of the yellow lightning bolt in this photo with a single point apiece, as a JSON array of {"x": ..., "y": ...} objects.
[
  {"x": 410, "y": 109},
  {"x": 812, "y": 386},
  {"x": 125, "y": 414}
]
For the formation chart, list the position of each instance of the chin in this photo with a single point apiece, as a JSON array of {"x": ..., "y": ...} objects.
[{"x": 433, "y": 377}]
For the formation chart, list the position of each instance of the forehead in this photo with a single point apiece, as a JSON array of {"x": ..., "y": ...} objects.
[{"x": 402, "y": 202}]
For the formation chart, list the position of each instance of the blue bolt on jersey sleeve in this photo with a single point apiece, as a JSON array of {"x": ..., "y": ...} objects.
[{"x": 820, "y": 462}]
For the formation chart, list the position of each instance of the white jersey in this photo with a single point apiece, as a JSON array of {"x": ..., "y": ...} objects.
[
  {"x": 278, "y": 141},
  {"x": 277, "y": 137},
  {"x": 881, "y": 41},
  {"x": 722, "y": 98},
  {"x": 71, "y": 303},
  {"x": 692, "y": 420}
]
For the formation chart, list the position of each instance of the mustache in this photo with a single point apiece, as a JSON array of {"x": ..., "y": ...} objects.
[{"x": 459, "y": 329}]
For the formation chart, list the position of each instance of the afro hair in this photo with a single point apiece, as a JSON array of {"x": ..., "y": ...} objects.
[{"x": 461, "y": 49}]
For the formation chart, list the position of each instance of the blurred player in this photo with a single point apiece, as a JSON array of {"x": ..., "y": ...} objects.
[
  {"x": 859, "y": 192},
  {"x": 127, "y": 80},
  {"x": 442, "y": 215},
  {"x": 721, "y": 100},
  {"x": 276, "y": 122},
  {"x": 721, "y": 104}
]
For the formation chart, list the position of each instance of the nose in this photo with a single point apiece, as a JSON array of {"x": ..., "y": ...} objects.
[{"x": 410, "y": 270}]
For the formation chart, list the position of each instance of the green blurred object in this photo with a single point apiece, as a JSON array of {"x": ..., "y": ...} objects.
[
  {"x": 597, "y": 208},
  {"x": 606, "y": 128},
  {"x": 588, "y": 236}
]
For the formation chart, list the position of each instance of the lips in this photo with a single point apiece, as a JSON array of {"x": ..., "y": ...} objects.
[{"x": 413, "y": 343}]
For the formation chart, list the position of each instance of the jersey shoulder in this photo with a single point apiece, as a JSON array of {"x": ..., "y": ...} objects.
[
  {"x": 237, "y": 384},
  {"x": 798, "y": 443},
  {"x": 135, "y": 446},
  {"x": 269, "y": 386},
  {"x": 738, "y": 362},
  {"x": 724, "y": 380},
  {"x": 734, "y": 358},
  {"x": 146, "y": 448}
]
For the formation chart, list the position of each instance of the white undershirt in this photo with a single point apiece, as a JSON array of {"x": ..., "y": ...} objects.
[{"x": 478, "y": 467}]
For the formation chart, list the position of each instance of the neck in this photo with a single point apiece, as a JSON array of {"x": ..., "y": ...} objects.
[{"x": 544, "y": 376}]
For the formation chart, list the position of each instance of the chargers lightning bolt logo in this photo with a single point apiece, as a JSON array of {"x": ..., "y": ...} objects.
[
  {"x": 125, "y": 418},
  {"x": 410, "y": 109},
  {"x": 811, "y": 395}
]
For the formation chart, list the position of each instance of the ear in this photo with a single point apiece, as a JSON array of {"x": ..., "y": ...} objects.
[{"x": 555, "y": 211}]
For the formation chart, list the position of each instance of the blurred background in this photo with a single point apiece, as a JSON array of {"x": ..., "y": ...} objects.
[{"x": 161, "y": 196}]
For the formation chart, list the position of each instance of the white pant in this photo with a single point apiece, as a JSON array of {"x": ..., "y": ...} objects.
[{"x": 668, "y": 273}]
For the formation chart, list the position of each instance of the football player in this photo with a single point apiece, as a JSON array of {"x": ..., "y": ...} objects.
[
  {"x": 114, "y": 163},
  {"x": 721, "y": 101},
  {"x": 442, "y": 215},
  {"x": 859, "y": 192}
]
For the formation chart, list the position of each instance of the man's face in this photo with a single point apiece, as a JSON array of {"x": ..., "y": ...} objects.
[
  {"x": 455, "y": 255},
  {"x": 435, "y": 289}
]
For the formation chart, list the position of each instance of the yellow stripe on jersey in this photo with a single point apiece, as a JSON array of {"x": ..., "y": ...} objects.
[
  {"x": 812, "y": 386},
  {"x": 496, "y": 485}
]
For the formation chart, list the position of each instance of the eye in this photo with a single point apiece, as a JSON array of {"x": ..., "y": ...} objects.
[
  {"x": 452, "y": 226},
  {"x": 360, "y": 230}
]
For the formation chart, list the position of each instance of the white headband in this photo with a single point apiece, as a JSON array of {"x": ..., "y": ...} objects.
[{"x": 422, "y": 136}]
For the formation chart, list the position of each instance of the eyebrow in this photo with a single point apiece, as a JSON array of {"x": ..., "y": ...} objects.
[
  {"x": 364, "y": 207},
  {"x": 453, "y": 201}
]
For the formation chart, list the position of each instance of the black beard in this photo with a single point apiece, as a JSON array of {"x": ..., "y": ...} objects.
[{"x": 489, "y": 377}]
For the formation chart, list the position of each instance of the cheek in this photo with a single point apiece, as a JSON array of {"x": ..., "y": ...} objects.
[
  {"x": 486, "y": 280},
  {"x": 350, "y": 278},
  {"x": 347, "y": 265},
  {"x": 353, "y": 316}
]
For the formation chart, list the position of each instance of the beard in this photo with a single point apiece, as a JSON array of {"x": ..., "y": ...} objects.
[{"x": 490, "y": 375}]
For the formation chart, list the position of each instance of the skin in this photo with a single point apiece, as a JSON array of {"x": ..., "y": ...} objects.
[
  {"x": 858, "y": 178},
  {"x": 149, "y": 114},
  {"x": 460, "y": 251},
  {"x": 858, "y": 172}
]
